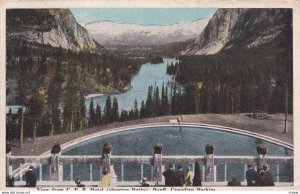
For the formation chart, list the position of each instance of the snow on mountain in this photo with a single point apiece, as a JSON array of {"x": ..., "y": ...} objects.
[{"x": 111, "y": 33}]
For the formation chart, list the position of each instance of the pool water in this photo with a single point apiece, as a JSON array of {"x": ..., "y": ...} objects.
[{"x": 176, "y": 141}]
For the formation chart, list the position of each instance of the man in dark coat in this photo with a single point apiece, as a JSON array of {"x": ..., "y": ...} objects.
[
  {"x": 170, "y": 177},
  {"x": 260, "y": 177},
  {"x": 269, "y": 181},
  {"x": 180, "y": 180},
  {"x": 251, "y": 176},
  {"x": 197, "y": 176},
  {"x": 30, "y": 177}
]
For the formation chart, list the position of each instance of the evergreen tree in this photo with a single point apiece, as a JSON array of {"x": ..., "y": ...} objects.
[
  {"x": 82, "y": 113},
  {"x": 135, "y": 110},
  {"x": 104, "y": 119},
  {"x": 124, "y": 115},
  {"x": 131, "y": 115},
  {"x": 115, "y": 110},
  {"x": 71, "y": 100},
  {"x": 36, "y": 106},
  {"x": 149, "y": 103},
  {"x": 174, "y": 101},
  {"x": 156, "y": 102},
  {"x": 164, "y": 110},
  {"x": 10, "y": 126},
  {"x": 143, "y": 110},
  {"x": 54, "y": 99},
  {"x": 92, "y": 115},
  {"x": 108, "y": 110},
  {"x": 98, "y": 115},
  {"x": 189, "y": 99}
]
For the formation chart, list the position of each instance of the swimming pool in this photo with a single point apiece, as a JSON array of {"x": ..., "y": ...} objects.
[{"x": 176, "y": 140}]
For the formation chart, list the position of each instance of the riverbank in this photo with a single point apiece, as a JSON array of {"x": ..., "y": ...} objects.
[
  {"x": 273, "y": 127},
  {"x": 89, "y": 96}
]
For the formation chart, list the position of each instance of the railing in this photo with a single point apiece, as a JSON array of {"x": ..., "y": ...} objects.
[{"x": 156, "y": 161}]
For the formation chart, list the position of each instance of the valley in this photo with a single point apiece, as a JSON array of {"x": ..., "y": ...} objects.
[{"x": 231, "y": 61}]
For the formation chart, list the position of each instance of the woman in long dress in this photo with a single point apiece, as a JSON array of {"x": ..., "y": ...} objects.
[
  {"x": 197, "y": 176},
  {"x": 105, "y": 181}
]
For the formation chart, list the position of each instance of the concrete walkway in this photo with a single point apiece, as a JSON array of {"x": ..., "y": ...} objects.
[{"x": 273, "y": 127}]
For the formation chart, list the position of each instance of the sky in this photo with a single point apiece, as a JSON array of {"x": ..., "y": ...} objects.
[{"x": 144, "y": 16}]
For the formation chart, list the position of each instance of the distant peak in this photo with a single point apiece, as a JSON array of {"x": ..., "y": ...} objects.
[{"x": 138, "y": 24}]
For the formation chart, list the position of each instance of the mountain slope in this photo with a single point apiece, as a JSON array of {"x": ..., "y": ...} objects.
[
  {"x": 56, "y": 27},
  {"x": 238, "y": 27},
  {"x": 110, "y": 33}
]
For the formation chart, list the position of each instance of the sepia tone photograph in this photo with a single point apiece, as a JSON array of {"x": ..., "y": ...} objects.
[{"x": 180, "y": 98}]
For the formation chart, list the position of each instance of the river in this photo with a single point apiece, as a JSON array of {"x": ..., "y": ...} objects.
[{"x": 149, "y": 74}]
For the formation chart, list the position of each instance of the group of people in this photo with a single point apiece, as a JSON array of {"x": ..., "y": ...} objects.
[
  {"x": 261, "y": 177},
  {"x": 181, "y": 178}
]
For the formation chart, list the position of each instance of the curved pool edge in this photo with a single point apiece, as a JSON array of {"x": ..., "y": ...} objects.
[{"x": 195, "y": 125}]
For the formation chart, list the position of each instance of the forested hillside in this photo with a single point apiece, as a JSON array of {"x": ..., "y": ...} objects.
[
  {"x": 50, "y": 82},
  {"x": 243, "y": 78}
]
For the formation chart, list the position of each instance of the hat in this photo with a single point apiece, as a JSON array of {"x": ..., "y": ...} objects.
[
  {"x": 179, "y": 167},
  {"x": 143, "y": 180},
  {"x": 170, "y": 165},
  {"x": 105, "y": 172},
  {"x": 31, "y": 167}
]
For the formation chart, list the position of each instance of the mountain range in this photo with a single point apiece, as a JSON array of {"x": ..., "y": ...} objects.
[
  {"x": 247, "y": 28},
  {"x": 56, "y": 27},
  {"x": 111, "y": 33},
  {"x": 226, "y": 29}
]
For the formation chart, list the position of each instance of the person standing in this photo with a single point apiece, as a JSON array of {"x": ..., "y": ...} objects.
[
  {"x": 190, "y": 177},
  {"x": 197, "y": 175},
  {"x": 261, "y": 177},
  {"x": 30, "y": 177},
  {"x": 170, "y": 177},
  {"x": 251, "y": 176},
  {"x": 180, "y": 180},
  {"x": 269, "y": 180}
]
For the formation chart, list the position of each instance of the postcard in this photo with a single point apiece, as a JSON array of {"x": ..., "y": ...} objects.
[{"x": 141, "y": 96}]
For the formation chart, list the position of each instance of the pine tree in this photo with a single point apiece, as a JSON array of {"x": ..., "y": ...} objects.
[
  {"x": 174, "y": 101},
  {"x": 92, "y": 115},
  {"x": 115, "y": 110},
  {"x": 82, "y": 113},
  {"x": 149, "y": 102},
  {"x": 71, "y": 99},
  {"x": 108, "y": 110},
  {"x": 131, "y": 115},
  {"x": 156, "y": 101},
  {"x": 164, "y": 110},
  {"x": 124, "y": 115},
  {"x": 135, "y": 110},
  {"x": 36, "y": 107},
  {"x": 143, "y": 110},
  {"x": 54, "y": 99},
  {"x": 98, "y": 119}
]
